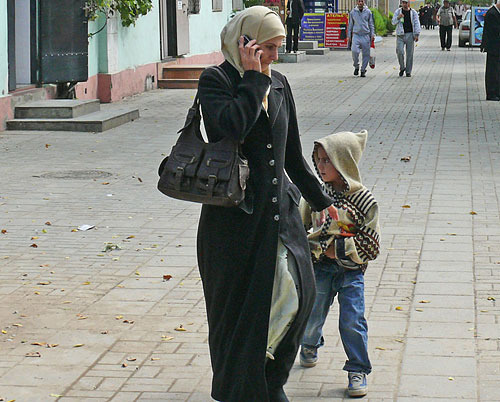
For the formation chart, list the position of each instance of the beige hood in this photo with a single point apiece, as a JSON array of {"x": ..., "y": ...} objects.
[{"x": 344, "y": 150}]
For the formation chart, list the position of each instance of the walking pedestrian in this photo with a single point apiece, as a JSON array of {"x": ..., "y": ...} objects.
[
  {"x": 407, "y": 31},
  {"x": 446, "y": 20},
  {"x": 294, "y": 13},
  {"x": 490, "y": 44},
  {"x": 360, "y": 33},
  {"x": 459, "y": 11},
  {"x": 254, "y": 259},
  {"x": 341, "y": 249}
]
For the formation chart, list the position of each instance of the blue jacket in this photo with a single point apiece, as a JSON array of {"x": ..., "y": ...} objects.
[{"x": 399, "y": 25}]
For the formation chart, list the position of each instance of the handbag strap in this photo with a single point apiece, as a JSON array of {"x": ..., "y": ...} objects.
[{"x": 194, "y": 113}]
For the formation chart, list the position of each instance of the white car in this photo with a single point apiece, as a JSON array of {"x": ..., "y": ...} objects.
[{"x": 464, "y": 30}]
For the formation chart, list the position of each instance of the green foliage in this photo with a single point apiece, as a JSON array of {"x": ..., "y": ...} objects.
[
  {"x": 380, "y": 22},
  {"x": 130, "y": 10},
  {"x": 388, "y": 22},
  {"x": 250, "y": 3}
]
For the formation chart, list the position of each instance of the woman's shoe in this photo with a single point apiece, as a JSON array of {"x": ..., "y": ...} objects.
[{"x": 277, "y": 395}]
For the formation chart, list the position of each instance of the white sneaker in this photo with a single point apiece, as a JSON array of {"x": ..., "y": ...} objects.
[{"x": 357, "y": 384}]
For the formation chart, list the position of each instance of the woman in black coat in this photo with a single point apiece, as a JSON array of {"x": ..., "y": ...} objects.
[{"x": 254, "y": 333}]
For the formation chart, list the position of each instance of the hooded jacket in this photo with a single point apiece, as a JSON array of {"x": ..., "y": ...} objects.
[{"x": 357, "y": 208}]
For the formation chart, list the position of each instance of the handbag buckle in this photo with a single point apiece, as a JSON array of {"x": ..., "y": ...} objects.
[
  {"x": 178, "y": 177},
  {"x": 212, "y": 180}
]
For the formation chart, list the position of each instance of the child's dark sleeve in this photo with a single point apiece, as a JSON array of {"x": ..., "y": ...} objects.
[{"x": 365, "y": 245}]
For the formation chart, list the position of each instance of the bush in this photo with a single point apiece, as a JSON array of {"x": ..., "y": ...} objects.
[
  {"x": 388, "y": 25},
  {"x": 380, "y": 22}
]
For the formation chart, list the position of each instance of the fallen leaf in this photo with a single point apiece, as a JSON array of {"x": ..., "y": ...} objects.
[
  {"x": 4, "y": 331},
  {"x": 86, "y": 283},
  {"x": 128, "y": 321},
  {"x": 180, "y": 328},
  {"x": 44, "y": 283},
  {"x": 491, "y": 298},
  {"x": 131, "y": 359},
  {"x": 17, "y": 325},
  {"x": 39, "y": 343},
  {"x": 341, "y": 81},
  {"x": 406, "y": 206},
  {"x": 124, "y": 364},
  {"x": 167, "y": 277},
  {"x": 399, "y": 308},
  {"x": 78, "y": 345},
  {"x": 33, "y": 354},
  {"x": 451, "y": 379},
  {"x": 424, "y": 301},
  {"x": 67, "y": 302},
  {"x": 484, "y": 311},
  {"x": 37, "y": 293},
  {"x": 104, "y": 332},
  {"x": 131, "y": 237},
  {"x": 406, "y": 158},
  {"x": 55, "y": 395},
  {"x": 47, "y": 145},
  {"x": 44, "y": 230},
  {"x": 48, "y": 223},
  {"x": 399, "y": 340},
  {"x": 473, "y": 213},
  {"x": 74, "y": 230},
  {"x": 34, "y": 245},
  {"x": 137, "y": 273},
  {"x": 155, "y": 358},
  {"x": 140, "y": 180},
  {"x": 419, "y": 309},
  {"x": 167, "y": 338},
  {"x": 4, "y": 231},
  {"x": 380, "y": 348},
  {"x": 119, "y": 317},
  {"x": 52, "y": 345},
  {"x": 34, "y": 238},
  {"x": 110, "y": 247},
  {"x": 105, "y": 183}
]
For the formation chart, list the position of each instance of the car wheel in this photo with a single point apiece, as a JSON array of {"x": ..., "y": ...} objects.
[{"x": 461, "y": 43}]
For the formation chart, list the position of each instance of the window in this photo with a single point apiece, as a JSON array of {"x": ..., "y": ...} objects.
[
  {"x": 216, "y": 5},
  {"x": 237, "y": 5},
  {"x": 193, "y": 6}
]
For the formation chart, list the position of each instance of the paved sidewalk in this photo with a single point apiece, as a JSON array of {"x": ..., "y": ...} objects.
[{"x": 83, "y": 324}]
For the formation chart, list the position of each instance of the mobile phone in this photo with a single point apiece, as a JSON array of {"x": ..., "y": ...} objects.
[{"x": 246, "y": 39}]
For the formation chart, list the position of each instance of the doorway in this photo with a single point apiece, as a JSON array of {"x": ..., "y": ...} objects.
[{"x": 174, "y": 28}]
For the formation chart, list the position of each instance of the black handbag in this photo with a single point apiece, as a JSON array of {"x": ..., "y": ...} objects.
[{"x": 212, "y": 173}]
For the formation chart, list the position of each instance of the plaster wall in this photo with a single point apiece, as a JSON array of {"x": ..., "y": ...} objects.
[
  {"x": 205, "y": 27},
  {"x": 4, "y": 67}
]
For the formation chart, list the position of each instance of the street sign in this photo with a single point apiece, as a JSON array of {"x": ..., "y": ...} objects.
[
  {"x": 476, "y": 25},
  {"x": 313, "y": 28},
  {"x": 336, "y": 30}
]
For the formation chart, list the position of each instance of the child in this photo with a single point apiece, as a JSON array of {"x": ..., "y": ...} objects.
[{"x": 340, "y": 251}]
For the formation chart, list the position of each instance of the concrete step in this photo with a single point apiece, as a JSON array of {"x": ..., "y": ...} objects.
[
  {"x": 318, "y": 51},
  {"x": 178, "y": 83},
  {"x": 183, "y": 71},
  {"x": 56, "y": 109},
  {"x": 93, "y": 122},
  {"x": 308, "y": 44},
  {"x": 292, "y": 57}
]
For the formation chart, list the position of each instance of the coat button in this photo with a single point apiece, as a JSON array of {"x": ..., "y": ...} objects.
[
  {"x": 271, "y": 162},
  {"x": 274, "y": 200},
  {"x": 269, "y": 146},
  {"x": 276, "y": 218},
  {"x": 275, "y": 181}
]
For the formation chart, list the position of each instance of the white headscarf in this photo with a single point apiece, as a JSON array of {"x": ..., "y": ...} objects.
[{"x": 257, "y": 22}]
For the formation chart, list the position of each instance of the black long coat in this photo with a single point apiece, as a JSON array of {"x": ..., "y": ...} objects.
[
  {"x": 491, "y": 32},
  {"x": 237, "y": 249}
]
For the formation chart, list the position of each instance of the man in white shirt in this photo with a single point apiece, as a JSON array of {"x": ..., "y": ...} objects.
[{"x": 459, "y": 11}]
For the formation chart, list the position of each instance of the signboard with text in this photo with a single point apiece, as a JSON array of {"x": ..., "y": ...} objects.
[
  {"x": 313, "y": 28},
  {"x": 336, "y": 30}
]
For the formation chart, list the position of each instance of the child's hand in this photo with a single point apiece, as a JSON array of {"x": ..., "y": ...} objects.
[
  {"x": 330, "y": 251},
  {"x": 332, "y": 211}
]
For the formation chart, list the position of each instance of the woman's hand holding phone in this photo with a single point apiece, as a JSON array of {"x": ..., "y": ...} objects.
[{"x": 250, "y": 55}]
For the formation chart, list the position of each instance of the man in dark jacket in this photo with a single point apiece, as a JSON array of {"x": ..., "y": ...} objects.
[
  {"x": 294, "y": 13},
  {"x": 491, "y": 44}
]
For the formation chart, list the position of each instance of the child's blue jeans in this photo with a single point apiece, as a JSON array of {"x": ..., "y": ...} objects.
[{"x": 349, "y": 285}]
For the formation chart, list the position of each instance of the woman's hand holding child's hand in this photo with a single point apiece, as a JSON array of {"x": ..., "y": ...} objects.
[
  {"x": 250, "y": 55},
  {"x": 332, "y": 211}
]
